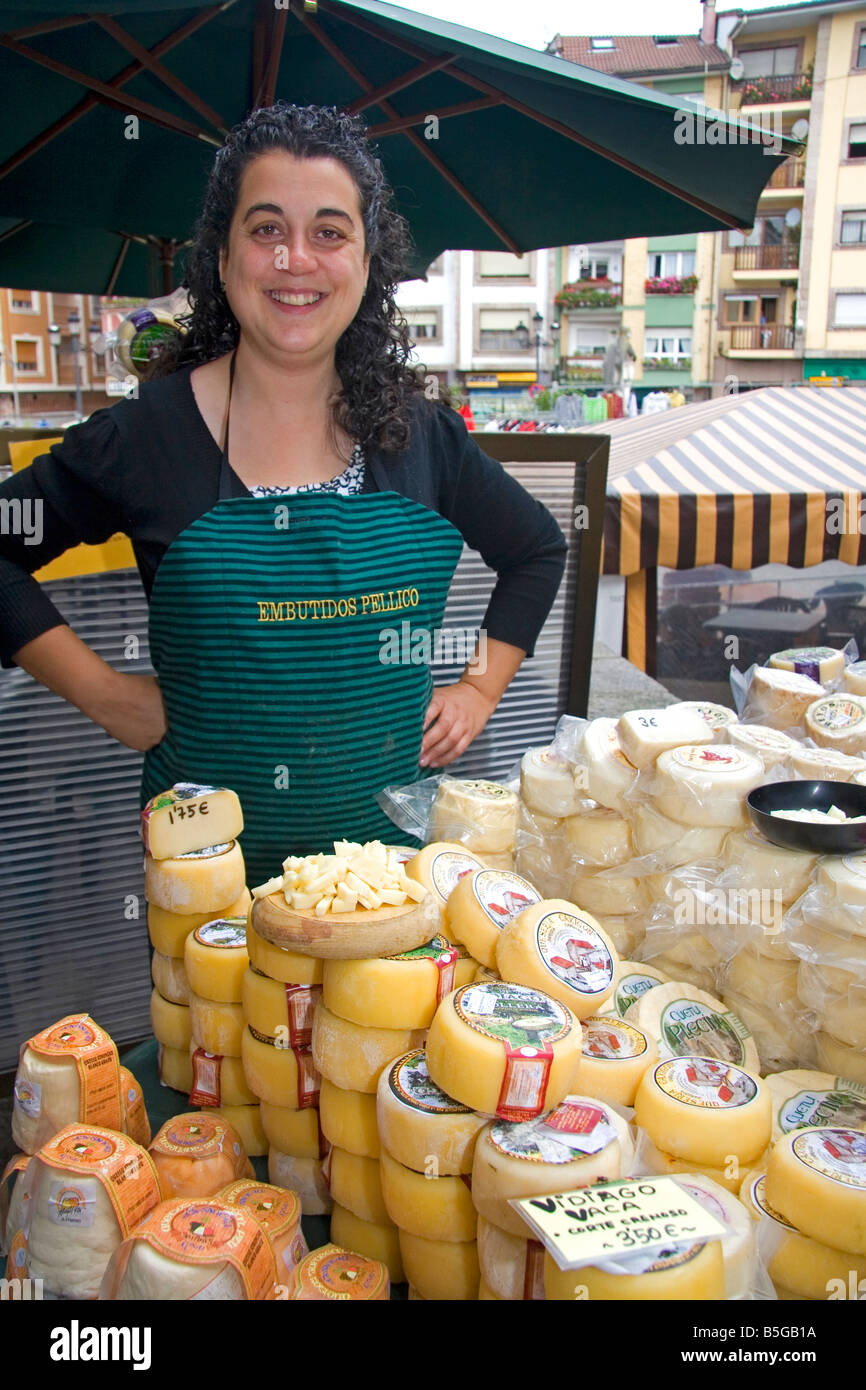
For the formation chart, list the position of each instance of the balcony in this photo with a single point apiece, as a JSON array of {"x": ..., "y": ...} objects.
[
  {"x": 774, "y": 89},
  {"x": 775, "y": 340},
  {"x": 791, "y": 174},
  {"x": 767, "y": 258},
  {"x": 589, "y": 294},
  {"x": 583, "y": 367},
  {"x": 671, "y": 284}
]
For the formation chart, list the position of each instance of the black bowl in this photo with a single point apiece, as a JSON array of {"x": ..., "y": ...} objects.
[{"x": 806, "y": 796}]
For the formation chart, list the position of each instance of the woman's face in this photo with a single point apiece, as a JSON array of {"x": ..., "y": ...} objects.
[{"x": 295, "y": 268}]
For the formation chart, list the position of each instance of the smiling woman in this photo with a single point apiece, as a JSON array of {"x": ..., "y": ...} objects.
[{"x": 282, "y": 476}]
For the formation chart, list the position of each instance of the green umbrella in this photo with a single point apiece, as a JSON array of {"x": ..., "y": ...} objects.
[{"x": 111, "y": 120}]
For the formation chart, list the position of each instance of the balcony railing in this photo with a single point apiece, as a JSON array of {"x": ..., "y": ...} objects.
[
  {"x": 764, "y": 337},
  {"x": 763, "y": 91},
  {"x": 590, "y": 294},
  {"x": 786, "y": 257},
  {"x": 791, "y": 174}
]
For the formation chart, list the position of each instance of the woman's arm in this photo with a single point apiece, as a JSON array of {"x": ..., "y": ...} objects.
[{"x": 457, "y": 713}]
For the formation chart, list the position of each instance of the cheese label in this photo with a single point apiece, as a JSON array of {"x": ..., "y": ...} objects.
[
  {"x": 573, "y": 1130},
  {"x": 705, "y": 1082},
  {"x": 197, "y": 1136},
  {"x": 502, "y": 895},
  {"x": 95, "y": 1056},
  {"x": 839, "y": 1154},
  {"x": 447, "y": 869},
  {"x": 225, "y": 933},
  {"x": 444, "y": 956},
  {"x": 490, "y": 790},
  {"x": 717, "y": 716},
  {"x": 759, "y": 737},
  {"x": 204, "y": 1232},
  {"x": 309, "y": 1080},
  {"x": 574, "y": 952},
  {"x": 28, "y": 1097},
  {"x": 512, "y": 1013},
  {"x": 68, "y": 1206},
  {"x": 637, "y": 1262},
  {"x": 124, "y": 1171},
  {"x": 836, "y": 712},
  {"x": 630, "y": 988},
  {"x": 411, "y": 1083},
  {"x": 301, "y": 1001},
  {"x": 210, "y": 853},
  {"x": 806, "y": 660},
  {"x": 533, "y": 1272},
  {"x": 206, "y": 1068},
  {"x": 333, "y": 1273},
  {"x": 844, "y": 1106},
  {"x": 692, "y": 1029},
  {"x": 712, "y": 758},
  {"x": 609, "y": 1038},
  {"x": 275, "y": 1208}
]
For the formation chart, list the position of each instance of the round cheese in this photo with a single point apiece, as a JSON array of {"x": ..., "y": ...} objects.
[
  {"x": 197, "y": 1154},
  {"x": 278, "y": 1212},
  {"x": 705, "y": 1110},
  {"x": 554, "y": 947},
  {"x": 441, "y": 1270},
  {"x": 632, "y": 979},
  {"x": 356, "y": 1183},
  {"x": 542, "y": 856},
  {"x": 798, "y": 1266},
  {"x": 822, "y": 664},
  {"x": 331, "y": 1274},
  {"x": 547, "y": 783},
  {"x": 684, "y": 1022},
  {"x": 512, "y": 1267},
  {"x": 353, "y": 1056},
  {"x": 201, "y": 881},
  {"x": 175, "y": 1067},
  {"x": 279, "y": 963},
  {"x": 770, "y": 746},
  {"x": 609, "y": 774},
  {"x": 480, "y": 815},
  {"x": 653, "y": 833},
  {"x": 419, "y": 1124},
  {"x": 348, "y": 1120},
  {"x": 854, "y": 678},
  {"x": 701, "y": 785},
  {"x": 187, "y": 1258},
  {"x": 503, "y": 1049},
  {"x": 218, "y": 1080},
  {"x": 582, "y": 1141},
  {"x": 170, "y": 978},
  {"x": 608, "y": 893},
  {"x": 465, "y": 966},
  {"x": 680, "y": 1272},
  {"x": 189, "y": 817},
  {"x": 294, "y": 1132},
  {"x": 655, "y": 1160},
  {"x": 838, "y": 1057},
  {"x": 216, "y": 1027},
  {"x": 600, "y": 838},
  {"x": 377, "y": 1240},
  {"x": 771, "y": 983},
  {"x": 440, "y": 866},
  {"x": 738, "y": 1242},
  {"x": 838, "y": 722},
  {"x": 500, "y": 861},
  {"x": 481, "y": 905},
  {"x": 816, "y": 1180},
  {"x": 436, "y": 1206},
  {"x": 47, "y": 1092},
  {"x": 719, "y": 717},
  {"x": 171, "y": 1023},
  {"x": 761, "y": 865},
  {"x": 246, "y": 1120},
  {"x": 169, "y": 930},
  {"x": 392, "y": 991},
  {"x": 646, "y": 733},
  {"x": 215, "y": 957},
  {"x": 826, "y": 765},
  {"x": 843, "y": 1016},
  {"x": 278, "y": 1074},
  {"x": 780, "y": 698},
  {"x": 815, "y": 1099},
  {"x": 278, "y": 1010},
  {"x": 304, "y": 1176},
  {"x": 616, "y": 1054},
  {"x": 844, "y": 879}
]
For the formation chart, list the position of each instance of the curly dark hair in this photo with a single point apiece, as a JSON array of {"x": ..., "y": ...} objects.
[{"x": 372, "y": 354}]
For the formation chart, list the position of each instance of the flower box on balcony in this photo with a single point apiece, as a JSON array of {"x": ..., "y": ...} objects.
[
  {"x": 667, "y": 364},
  {"x": 671, "y": 284},
  {"x": 589, "y": 294}
]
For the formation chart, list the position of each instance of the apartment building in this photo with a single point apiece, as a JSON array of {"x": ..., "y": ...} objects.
[{"x": 38, "y": 376}]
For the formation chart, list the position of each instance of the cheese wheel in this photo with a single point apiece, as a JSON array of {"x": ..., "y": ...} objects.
[
  {"x": 391, "y": 991},
  {"x": 698, "y": 976},
  {"x": 838, "y": 722},
  {"x": 854, "y": 678},
  {"x": 578, "y": 1143},
  {"x": 376, "y": 1239},
  {"x": 47, "y": 1092},
  {"x": 215, "y": 1026},
  {"x": 279, "y": 1075},
  {"x": 500, "y": 861},
  {"x": 684, "y": 1022},
  {"x": 706, "y": 785},
  {"x": 644, "y": 734},
  {"x": 246, "y": 1120},
  {"x": 681, "y": 1272},
  {"x": 197, "y": 882},
  {"x": 799, "y": 1266},
  {"x": 704, "y": 1110},
  {"x": 770, "y": 746},
  {"x": 816, "y": 1179},
  {"x": 356, "y": 1183},
  {"x": 844, "y": 879},
  {"x": 168, "y": 931},
  {"x": 480, "y": 906},
  {"x": 215, "y": 957},
  {"x": 609, "y": 774},
  {"x": 719, "y": 717},
  {"x": 352, "y": 1056},
  {"x": 554, "y": 947},
  {"x": 279, "y": 963},
  {"x": 419, "y": 1124},
  {"x": 440, "y": 866},
  {"x": 331, "y": 1274},
  {"x": 847, "y": 1062},
  {"x": 547, "y": 783},
  {"x": 218, "y": 1081},
  {"x": 175, "y": 1067},
  {"x": 304, "y": 1176},
  {"x": 279, "y": 1010},
  {"x": 826, "y": 765},
  {"x": 822, "y": 664},
  {"x": 542, "y": 857},
  {"x": 780, "y": 698},
  {"x": 465, "y": 966},
  {"x": 654, "y": 1160},
  {"x": 480, "y": 815},
  {"x": 815, "y": 1099},
  {"x": 294, "y": 1132},
  {"x": 844, "y": 1016},
  {"x": 600, "y": 838},
  {"x": 149, "y": 1275},
  {"x": 434, "y": 1205},
  {"x": 198, "y": 1153},
  {"x": 171, "y": 1023},
  {"x": 761, "y": 865},
  {"x": 170, "y": 978},
  {"x": 738, "y": 1242},
  {"x": 626, "y": 933},
  {"x": 180, "y": 1267},
  {"x": 615, "y": 1056},
  {"x": 771, "y": 983},
  {"x": 348, "y": 1120},
  {"x": 441, "y": 1270},
  {"x": 632, "y": 979},
  {"x": 512, "y": 1267},
  {"x": 608, "y": 893},
  {"x": 653, "y": 833},
  {"x": 777, "y": 1033},
  {"x": 190, "y": 817},
  {"x": 278, "y": 1212},
  {"x": 503, "y": 1049}
]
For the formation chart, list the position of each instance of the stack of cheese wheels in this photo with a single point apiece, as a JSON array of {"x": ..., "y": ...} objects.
[
  {"x": 198, "y": 1153},
  {"x": 426, "y": 1146},
  {"x": 194, "y": 872},
  {"x": 550, "y": 799},
  {"x": 482, "y": 816},
  {"x": 799, "y": 1266},
  {"x": 831, "y": 981},
  {"x": 216, "y": 963}
]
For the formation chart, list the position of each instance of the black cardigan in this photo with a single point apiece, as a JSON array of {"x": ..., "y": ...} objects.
[{"x": 150, "y": 467}]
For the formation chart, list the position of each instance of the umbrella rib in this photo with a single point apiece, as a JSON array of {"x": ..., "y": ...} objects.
[
  {"x": 265, "y": 95},
  {"x": 399, "y": 84},
  {"x": 159, "y": 71},
  {"x": 463, "y": 108},
  {"x": 48, "y": 26},
  {"x": 13, "y": 231},
  {"x": 118, "y": 265},
  {"x": 366, "y": 86}
]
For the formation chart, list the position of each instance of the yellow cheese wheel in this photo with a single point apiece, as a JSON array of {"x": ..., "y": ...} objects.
[
  {"x": 218, "y": 1080},
  {"x": 816, "y": 1180},
  {"x": 738, "y": 1242},
  {"x": 171, "y": 1023},
  {"x": 247, "y": 1121},
  {"x": 419, "y": 1124},
  {"x": 170, "y": 978},
  {"x": 485, "y": 1293},
  {"x": 349, "y": 1121},
  {"x": 198, "y": 1153},
  {"x": 554, "y": 947},
  {"x": 504, "y": 1049},
  {"x": 279, "y": 963},
  {"x": 480, "y": 815},
  {"x": 279, "y": 1010},
  {"x": 803, "y": 1267},
  {"x": 442, "y": 1270},
  {"x": 441, "y": 865},
  {"x": 480, "y": 906},
  {"x": 294, "y": 1132},
  {"x": 216, "y": 1027},
  {"x": 705, "y": 1110},
  {"x": 616, "y": 1053},
  {"x": 465, "y": 966},
  {"x": 656, "y": 1161},
  {"x": 353, "y": 1056},
  {"x": 680, "y": 1273},
  {"x": 196, "y": 882},
  {"x": 356, "y": 1183},
  {"x": 215, "y": 957},
  {"x": 838, "y": 1057},
  {"x": 190, "y": 817},
  {"x": 512, "y": 1267},
  {"x": 284, "y": 1076},
  {"x": 303, "y": 1176},
  {"x": 378, "y": 1240},
  {"x": 175, "y": 1068},
  {"x": 392, "y": 991},
  {"x": 436, "y": 1206},
  {"x": 169, "y": 930}
]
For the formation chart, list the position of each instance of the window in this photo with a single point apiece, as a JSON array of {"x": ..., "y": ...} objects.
[
  {"x": 662, "y": 263},
  {"x": 853, "y": 228},
  {"x": 850, "y": 311},
  {"x": 767, "y": 231},
  {"x": 594, "y": 269},
  {"x": 860, "y": 48},
  {"x": 601, "y": 43},
  {"x": 674, "y": 348},
  {"x": 423, "y": 323},
  {"x": 665, "y": 41},
  {"x": 23, "y": 301},
  {"x": 741, "y": 308},
  {"x": 503, "y": 329},
  {"x": 766, "y": 62},
  {"x": 501, "y": 265},
  {"x": 26, "y": 354},
  {"x": 857, "y": 140}
]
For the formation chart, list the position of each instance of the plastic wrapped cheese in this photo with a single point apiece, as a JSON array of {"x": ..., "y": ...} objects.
[
  {"x": 771, "y": 983},
  {"x": 419, "y": 1124},
  {"x": 822, "y": 664},
  {"x": 813, "y": 1099},
  {"x": 554, "y": 947},
  {"x": 608, "y": 893},
  {"x": 839, "y": 1057},
  {"x": 844, "y": 878},
  {"x": 798, "y": 1266},
  {"x": 758, "y": 864},
  {"x": 542, "y": 855},
  {"x": 278, "y": 1212},
  {"x": 826, "y": 765},
  {"x": 480, "y": 815},
  {"x": 196, "y": 1154},
  {"x": 13, "y": 1202},
  {"x": 779, "y": 698},
  {"x": 197, "y": 882},
  {"x": 779, "y": 1033},
  {"x": 133, "y": 1110},
  {"x": 719, "y": 717},
  {"x": 770, "y": 746},
  {"x": 304, "y": 1176},
  {"x": 838, "y": 722},
  {"x": 547, "y": 783},
  {"x": 673, "y": 843},
  {"x": 738, "y": 1243},
  {"x": 644, "y": 734},
  {"x": 66, "y": 1073},
  {"x": 331, "y": 1274},
  {"x": 854, "y": 678},
  {"x": 481, "y": 905},
  {"x": 684, "y": 1021},
  {"x": 599, "y": 838},
  {"x": 706, "y": 785},
  {"x": 609, "y": 774}
]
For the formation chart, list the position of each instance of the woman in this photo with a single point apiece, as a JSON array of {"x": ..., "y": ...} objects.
[{"x": 290, "y": 494}]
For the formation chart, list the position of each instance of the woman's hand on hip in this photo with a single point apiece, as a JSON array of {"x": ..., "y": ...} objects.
[
  {"x": 455, "y": 716},
  {"x": 132, "y": 711}
]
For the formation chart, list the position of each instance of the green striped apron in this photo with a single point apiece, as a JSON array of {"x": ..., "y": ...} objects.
[{"x": 269, "y": 619}]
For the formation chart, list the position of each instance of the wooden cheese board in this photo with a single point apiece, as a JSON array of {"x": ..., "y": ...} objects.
[{"x": 381, "y": 931}]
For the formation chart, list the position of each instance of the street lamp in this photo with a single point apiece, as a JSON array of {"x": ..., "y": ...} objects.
[
  {"x": 555, "y": 328},
  {"x": 538, "y": 320}
]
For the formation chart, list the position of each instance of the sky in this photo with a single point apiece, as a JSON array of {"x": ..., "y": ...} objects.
[{"x": 534, "y": 22}]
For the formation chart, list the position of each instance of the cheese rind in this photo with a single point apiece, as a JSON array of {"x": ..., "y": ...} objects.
[
  {"x": 169, "y": 930},
  {"x": 356, "y": 1184},
  {"x": 304, "y": 1176},
  {"x": 554, "y": 947},
  {"x": 826, "y": 765},
  {"x": 171, "y": 1023},
  {"x": 175, "y": 1067},
  {"x": 761, "y": 865},
  {"x": 376, "y": 1239},
  {"x": 674, "y": 843},
  {"x": 349, "y": 1120},
  {"x": 821, "y": 664},
  {"x": 683, "y": 1272},
  {"x": 190, "y": 817},
  {"x": 608, "y": 893},
  {"x": 547, "y": 783},
  {"x": 170, "y": 978},
  {"x": 278, "y": 963},
  {"x": 780, "y": 698},
  {"x": 798, "y": 1265},
  {"x": 854, "y": 678},
  {"x": 644, "y": 734},
  {"x": 656, "y": 1161},
  {"x": 215, "y": 957},
  {"x": 418, "y": 1123},
  {"x": 353, "y": 1056},
  {"x": 512, "y": 1267},
  {"x": 198, "y": 882},
  {"x": 218, "y": 1081},
  {"x": 279, "y": 1075},
  {"x": 705, "y": 1110},
  {"x": 442, "y": 1270},
  {"x": 279, "y": 1010},
  {"x": 609, "y": 774},
  {"x": 836, "y": 1056},
  {"x": 246, "y": 1121},
  {"x": 440, "y": 866},
  {"x": 215, "y": 1026},
  {"x": 293, "y": 1132},
  {"x": 600, "y": 838},
  {"x": 770, "y": 746},
  {"x": 480, "y": 906},
  {"x": 434, "y": 1205},
  {"x": 392, "y": 991},
  {"x": 816, "y": 1180},
  {"x": 480, "y": 815}
]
